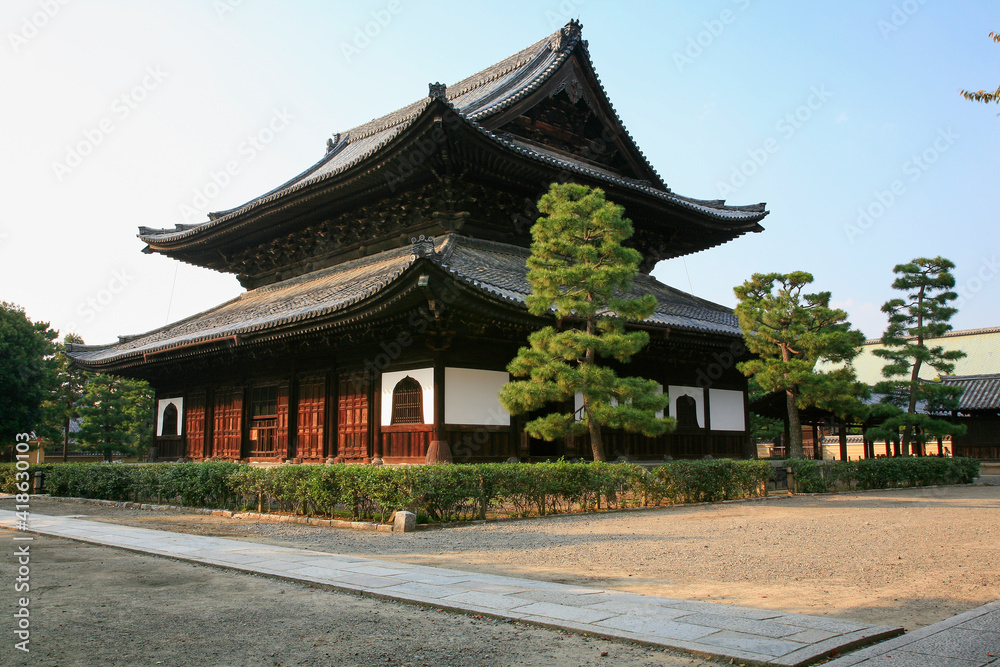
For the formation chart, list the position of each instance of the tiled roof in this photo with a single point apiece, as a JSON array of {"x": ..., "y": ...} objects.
[
  {"x": 981, "y": 392},
  {"x": 497, "y": 269},
  {"x": 474, "y": 99},
  {"x": 500, "y": 269},
  {"x": 302, "y": 298}
]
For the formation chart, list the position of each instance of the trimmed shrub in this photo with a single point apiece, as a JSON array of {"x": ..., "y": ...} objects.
[{"x": 468, "y": 491}]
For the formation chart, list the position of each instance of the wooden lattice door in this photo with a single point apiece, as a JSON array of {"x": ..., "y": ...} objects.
[
  {"x": 227, "y": 430},
  {"x": 352, "y": 415},
  {"x": 311, "y": 417}
]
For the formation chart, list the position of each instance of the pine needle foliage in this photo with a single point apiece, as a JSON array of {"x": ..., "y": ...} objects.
[
  {"x": 921, "y": 316},
  {"x": 580, "y": 272},
  {"x": 790, "y": 331}
]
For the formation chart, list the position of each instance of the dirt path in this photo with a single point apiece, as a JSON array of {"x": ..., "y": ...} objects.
[{"x": 907, "y": 557}]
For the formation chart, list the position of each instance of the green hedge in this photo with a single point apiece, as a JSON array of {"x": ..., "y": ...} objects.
[
  {"x": 815, "y": 477},
  {"x": 460, "y": 492},
  {"x": 434, "y": 493}
]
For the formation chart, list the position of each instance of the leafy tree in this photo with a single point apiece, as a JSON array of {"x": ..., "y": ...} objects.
[
  {"x": 923, "y": 314},
  {"x": 25, "y": 371},
  {"x": 116, "y": 414},
  {"x": 61, "y": 406},
  {"x": 982, "y": 95},
  {"x": 789, "y": 332},
  {"x": 580, "y": 271}
]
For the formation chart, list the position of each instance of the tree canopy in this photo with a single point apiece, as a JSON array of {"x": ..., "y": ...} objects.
[
  {"x": 26, "y": 374},
  {"x": 62, "y": 404},
  {"x": 116, "y": 415},
  {"x": 921, "y": 315},
  {"x": 580, "y": 272},
  {"x": 790, "y": 331},
  {"x": 982, "y": 95}
]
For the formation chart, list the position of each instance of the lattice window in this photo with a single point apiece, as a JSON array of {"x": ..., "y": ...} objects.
[
  {"x": 407, "y": 402},
  {"x": 264, "y": 420}
]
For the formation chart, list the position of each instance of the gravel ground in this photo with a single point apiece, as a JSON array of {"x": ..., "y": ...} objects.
[
  {"x": 907, "y": 557},
  {"x": 94, "y": 605}
]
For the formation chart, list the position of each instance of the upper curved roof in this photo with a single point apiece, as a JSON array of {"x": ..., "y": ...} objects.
[{"x": 475, "y": 100}]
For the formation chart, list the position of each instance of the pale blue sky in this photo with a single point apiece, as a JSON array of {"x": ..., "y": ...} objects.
[{"x": 817, "y": 108}]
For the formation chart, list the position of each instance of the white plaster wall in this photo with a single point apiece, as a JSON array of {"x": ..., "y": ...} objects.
[
  {"x": 697, "y": 393},
  {"x": 727, "y": 410},
  {"x": 470, "y": 397},
  {"x": 161, "y": 405},
  {"x": 659, "y": 392},
  {"x": 424, "y": 376}
]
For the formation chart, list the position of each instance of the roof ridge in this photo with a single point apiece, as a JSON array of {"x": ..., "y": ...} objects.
[{"x": 948, "y": 334}]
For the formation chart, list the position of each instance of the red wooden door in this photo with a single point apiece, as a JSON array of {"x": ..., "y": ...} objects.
[
  {"x": 352, "y": 416},
  {"x": 194, "y": 425},
  {"x": 228, "y": 431},
  {"x": 311, "y": 417}
]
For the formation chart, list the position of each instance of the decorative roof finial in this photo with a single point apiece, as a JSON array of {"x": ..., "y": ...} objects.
[
  {"x": 423, "y": 246},
  {"x": 332, "y": 142},
  {"x": 436, "y": 91}
]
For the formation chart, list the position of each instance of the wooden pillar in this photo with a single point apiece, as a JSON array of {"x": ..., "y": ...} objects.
[
  {"x": 439, "y": 451},
  {"x": 245, "y": 423},
  {"x": 817, "y": 445},
  {"x": 709, "y": 439},
  {"x": 293, "y": 416},
  {"x": 331, "y": 424},
  {"x": 376, "y": 415},
  {"x": 842, "y": 433},
  {"x": 787, "y": 437}
]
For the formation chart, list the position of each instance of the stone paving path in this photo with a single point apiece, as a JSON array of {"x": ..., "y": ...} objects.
[
  {"x": 741, "y": 633},
  {"x": 971, "y": 639}
]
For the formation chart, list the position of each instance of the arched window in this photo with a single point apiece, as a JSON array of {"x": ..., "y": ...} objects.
[
  {"x": 169, "y": 420},
  {"x": 407, "y": 402},
  {"x": 687, "y": 413}
]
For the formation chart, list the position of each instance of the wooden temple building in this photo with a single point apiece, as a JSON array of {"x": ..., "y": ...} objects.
[{"x": 386, "y": 286}]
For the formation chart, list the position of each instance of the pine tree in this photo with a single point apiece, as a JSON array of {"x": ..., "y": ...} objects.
[
  {"x": 61, "y": 407},
  {"x": 789, "y": 332},
  {"x": 579, "y": 272},
  {"x": 923, "y": 314},
  {"x": 116, "y": 415}
]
